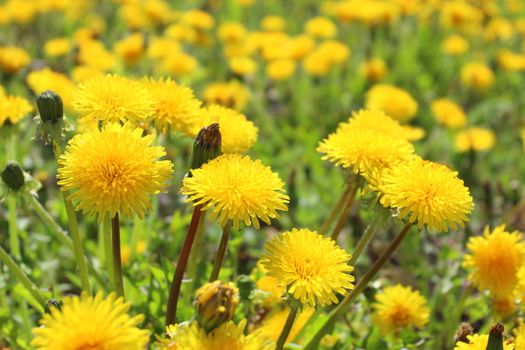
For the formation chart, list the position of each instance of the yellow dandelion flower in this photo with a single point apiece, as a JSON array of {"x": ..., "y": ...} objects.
[
  {"x": 231, "y": 94},
  {"x": 94, "y": 54},
  {"x": 281, "y": 69},
  {"x": 273, "y": 324},
  {"x": 13, "y": 109},
  {"x": 477, "y": 75},
  {"x": 270, "y": 286},
  {"x": 455, "y": 45},
  {"x": 475, "y": 139},
  {"x": 131, "y": 48},
  {"x": 395, "y": 102},
  {"x": 370, "y": 141},
  {"x": 448, "y": 113},
  {"x": 175, "y": 105},
  {"x": 273, "y": 23},
  {"x": 236, "y": 188},
  {"x": 46, "y": 79},
  {"x": 519, "y": 333},
  {"x": 399, "y": 307},
  {"x": 232, "y": 32},
  {"x": 310, "y": 266},
  {"x": 238, "y": 134},
  {"x": 242, "y": 65},
  {"x": 320, "y": 27},
  {"x": 413, "y": 133},
  {"x": 519, "y": 291},
  {"x": 90, "y": 323},
  {"x": 57, "y": 47},
  {"x": 113, "y": 170},
  {"x": 13, "y": 58},
  {"x": 494, "y": 261},
  {"x": 504, "y": 306},
  {"x": 427, "y": 193},
  {"x": 374, "y": 70},
  {"x": 479, "y": 342},
  {"x": 111, "y": 98},
  {"x": 82, "y": 73},
  {"x": 228, "y": 336},
  {"x": 179, "y": 63}
]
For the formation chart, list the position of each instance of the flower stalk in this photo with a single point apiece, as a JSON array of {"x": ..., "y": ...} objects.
[
  {"x": 117, "y": 259},
  {"x": 171, "y": 311},
  {"x": 346, "y": 210},
  {"x": 336, "y": 209},
  {"x": 294, "y": 308},
  {"x": 217, "y": 264},
  {"x": 22, "y": 277},
  {"x": 370, "y": 274}
]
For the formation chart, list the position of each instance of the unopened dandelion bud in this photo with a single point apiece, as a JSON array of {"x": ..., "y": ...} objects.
[
  {"x": 53, "y": 303},
  {"x": 464, "y": 330},
  {"x": 50, "y": 121},
  {"x": 215, "y": 304},
  {"x": 207, "y": 146},
  {"x": 496, "y": 337},
  {"x": 13, "y": 176},
  {"x": 50, "y": 106}
]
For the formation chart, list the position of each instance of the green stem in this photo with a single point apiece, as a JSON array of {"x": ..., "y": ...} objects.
[
  {"x": 217, "y": 264},
  {"x": 364, "y": 240},
  {"x": 196, "y": 256},
  {"x": 346, "y": 210},
  {"x": 22, "y": 277},
  {"x": 117, "y": 260},
  {"x": 171, "y": 310},
  {"x": 383, "y": 258},
  {"x": 294, "y": 307},
  {"x": 14, "y": 241},
  {"x": 108, "y": 253},
  {"x": 335, "y": 210},
  {"x": 51, "y": 224},
  {"x": 77, "y": 243}
]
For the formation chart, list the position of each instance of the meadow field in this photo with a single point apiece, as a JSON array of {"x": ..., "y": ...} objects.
[{"x": 262, "y": 174}]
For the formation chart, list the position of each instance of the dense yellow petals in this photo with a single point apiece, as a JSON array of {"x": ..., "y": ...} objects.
[
  {"x": 228, "y": 336},
  {"x": 236, "y": 188},
  {"x": 399, "y": 307},
  {"x": 90, "y": 323},
  {"x": 310, "y": 266},
  {"x": 175, "y": 106},
  {"x": 112, "y": 98},
  {"x": 113, "y": 170},
  {"x": 494, "y": 261},
  {"x": 427, "y": 193}
]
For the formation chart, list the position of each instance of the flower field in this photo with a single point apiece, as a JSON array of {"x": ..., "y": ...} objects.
[{"x": 260, "y": 175}]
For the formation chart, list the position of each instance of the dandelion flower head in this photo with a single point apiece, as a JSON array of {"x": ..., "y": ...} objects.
[
  {"x": 113, "y": 170},
  {"x": 236, "y": 188},
  {"x": 176, "y": 107},
  {"x": 13, "y": 108},
  {"x": 494, "y": 260},
  {"x": 395, "y": 102},
  {"x": 479, "y": 342},
  {"x": 427, "y": 193},
  {"x": 399, "y": 307},
  {"x": 368, "y": 143},
  {"x": 310, "y": 266},
  {"x": 111, "y": 98},
  {"x": 228, "y": 336},
  {"x": 475, "y": 139},
  {"x": 87, "y": 322}
]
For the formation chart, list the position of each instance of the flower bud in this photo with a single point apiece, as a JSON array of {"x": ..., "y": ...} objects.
[
  {"x": 50, "y": 106},
  {"x": 495, "y": 337},
  {"x": 13, "y": 176},
  {"x": 207, "y": 146},
  {"x": 215, "y": 304},
  {"x": 53, "y": 303}
]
